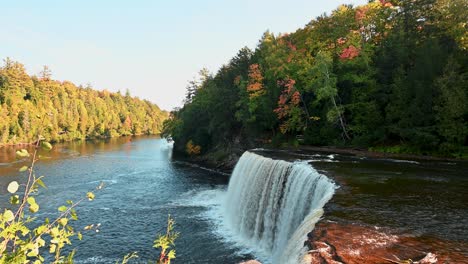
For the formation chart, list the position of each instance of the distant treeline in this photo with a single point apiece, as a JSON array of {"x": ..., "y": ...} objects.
[
  {"x": 61, "y": 111},
  {"x": 391, "y": 75}
]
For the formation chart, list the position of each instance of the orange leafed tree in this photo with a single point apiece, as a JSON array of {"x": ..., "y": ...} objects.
[
  {"x": 192, "y": 149},
  {"x": 255, "y": 86}
]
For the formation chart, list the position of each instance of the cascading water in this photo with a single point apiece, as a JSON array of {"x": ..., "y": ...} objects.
[{"x": 273, "y": 204}]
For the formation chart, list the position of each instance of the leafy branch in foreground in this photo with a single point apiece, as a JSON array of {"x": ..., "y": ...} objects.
[
  {"x": 165, "y": 242},
  {"x": 22, "y": 240}
]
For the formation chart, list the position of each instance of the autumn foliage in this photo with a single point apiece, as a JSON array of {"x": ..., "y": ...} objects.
[
  {"x": 383, "y": 73},
  {"x": 349, "y": 53},
  {"x": 71, "y": 112},
  {"x": 289, "y": 98},
  {"x": 255, "y": 86},
  {"x": 192, "y": 149},
  {"x": 288, "y": 103}
]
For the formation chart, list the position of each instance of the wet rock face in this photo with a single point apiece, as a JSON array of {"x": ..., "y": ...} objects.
[{"x": 334, "y": 243}]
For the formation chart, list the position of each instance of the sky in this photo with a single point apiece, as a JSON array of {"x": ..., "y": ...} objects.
[{"x": 150, "y": 47}]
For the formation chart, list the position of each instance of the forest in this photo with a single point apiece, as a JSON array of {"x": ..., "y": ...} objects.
[
  {"x": 387, "y": 76},
  {"x": 62, "y": 111}
]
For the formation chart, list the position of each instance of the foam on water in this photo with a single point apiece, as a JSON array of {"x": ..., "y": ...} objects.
[{"x": 268, "y": 209}]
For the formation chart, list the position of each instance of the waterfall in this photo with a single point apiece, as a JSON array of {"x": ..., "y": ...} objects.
[{"x": 273, "y": 204}]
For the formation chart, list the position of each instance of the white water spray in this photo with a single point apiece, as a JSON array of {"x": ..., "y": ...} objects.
[{"x": 273, "y": 204}]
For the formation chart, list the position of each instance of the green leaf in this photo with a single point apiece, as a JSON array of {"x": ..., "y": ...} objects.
[
  {"x": 24, "y": 230},
  {"x": 41, "y": 229},
  {"x": 41, "y": 183},
  {"x": 33, "y": 208},
  {"x": 13, "y": 187},
  {"x": 46, "y": 145},
  {"x": 8, "y": 215},
  {"x": 73, "y": 215},
  {"x": 52, "y": 248},
  {"x": 54, "y": 232},
  {"x": 79, "y": 235},
  {"x": 62, "y": 208},
  {"x": 33, "y": 253},
  {"x": 31, "y": 200},
  {"x": 14, "y": 199},
  {"x": 22, "y": 153},
  {"x": 63, "y": 221},
  {"x": 41, "y": 242},
  {"x": 90, "y": 196},
  {"x": 24, "y": 168},
  {"x": 171, "y": 254},
  {"x": 70, "y": 202}
]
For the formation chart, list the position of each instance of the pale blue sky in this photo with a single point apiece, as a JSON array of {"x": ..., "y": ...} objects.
[{"x": 153, "y": 48}]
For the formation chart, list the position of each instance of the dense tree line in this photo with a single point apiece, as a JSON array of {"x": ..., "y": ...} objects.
[
  {"x": 389, "y": 74},
  {"x": 62, "y": 111}
]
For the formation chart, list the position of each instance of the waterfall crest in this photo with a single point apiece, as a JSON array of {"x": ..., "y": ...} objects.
[{"x": 270, "y": 202}]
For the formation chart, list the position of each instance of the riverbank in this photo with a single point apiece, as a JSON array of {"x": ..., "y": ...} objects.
[
  {"x": 221, "y": 159},
  {"x": 369, "y": 153},
  {"x": 226, "y": 159},
  {"x": 3, "y": 145},
  {"x": 17, "y": 144}
]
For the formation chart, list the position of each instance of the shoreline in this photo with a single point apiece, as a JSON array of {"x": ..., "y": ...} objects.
[
  {"x": 17, "y": 144},
  {"x": 369, "y": 153},
  {"x": 2, "y": 145},
  {"x": 228, "y": 163}
]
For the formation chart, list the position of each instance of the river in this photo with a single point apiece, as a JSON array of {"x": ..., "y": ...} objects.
[{"x": 144, "y": 184}]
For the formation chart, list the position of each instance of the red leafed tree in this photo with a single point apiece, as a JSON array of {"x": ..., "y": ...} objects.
[
  {"x": 286, "y": 98},
  {"x": 289, "y": 109},
  {"x": 349, "y": 53}
]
